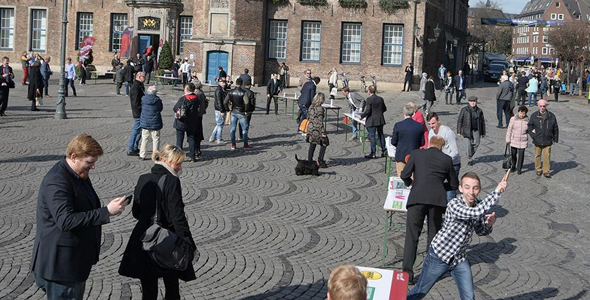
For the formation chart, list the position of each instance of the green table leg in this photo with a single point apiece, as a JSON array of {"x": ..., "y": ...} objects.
[
  {"x": 364, "y": 137},
  {"x": 293, "y": 109},
  {"x": 388, "y": 221}
]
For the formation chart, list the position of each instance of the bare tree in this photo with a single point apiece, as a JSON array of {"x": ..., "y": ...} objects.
[
  {"x": 496, "y": 39},
  {"x": 494, "y": 4},
  {"x": 571, "y": 42}
]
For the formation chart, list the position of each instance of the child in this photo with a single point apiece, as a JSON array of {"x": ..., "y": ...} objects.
[{"x": 347, "y": 283}]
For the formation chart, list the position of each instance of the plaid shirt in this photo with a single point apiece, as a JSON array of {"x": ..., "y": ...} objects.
[{"x": 451, "y": 241}]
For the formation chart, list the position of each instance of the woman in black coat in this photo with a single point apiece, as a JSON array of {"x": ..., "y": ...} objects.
[
  {"x": 35, "y": 84},
  {"x": 192, "y": 123},
  {"x": 136, "y": 263},
  {"x": 429, "y": 95}
]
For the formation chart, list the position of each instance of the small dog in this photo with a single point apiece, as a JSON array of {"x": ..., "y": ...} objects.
[{"x": 306, "y": 167}]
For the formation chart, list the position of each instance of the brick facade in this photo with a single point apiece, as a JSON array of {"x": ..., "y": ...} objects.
[{"x": 240, "y": 28}]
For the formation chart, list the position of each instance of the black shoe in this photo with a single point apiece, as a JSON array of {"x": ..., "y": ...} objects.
[
  {"x": 322, "y": 163},
  {"x": 276, "y": 113},
  {"x": 499, "y": 126},
  {"x": 518, "y": 172},
  {"x": 3, "y": 114},
  {"x": 199, "y": 154},
  {"x": 34, "y": 109},
  {"x": 370, "y": 156},
  {"x": 267, "y": 113},
  {"x": 384, "y": 153},
  {"x": 192, "y": 159},
  {"x": 470, "y": 163},
  {"x": 512, "y": 170},
  {"x": 133, "y": 153}
]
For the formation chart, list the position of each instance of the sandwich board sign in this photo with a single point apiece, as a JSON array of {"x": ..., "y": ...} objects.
[
  {"x": 385, "y": 284},
  {"x": 397, "y": 195}
]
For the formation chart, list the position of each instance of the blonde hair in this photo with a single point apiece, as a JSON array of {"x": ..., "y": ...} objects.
[
  {"x": 169, "y": 153},
  {"x": 347, "y": 283},
  {"x": 84, "y": 145},
  {"x": 319, "y": 99},
  {"x": 412, "y": 104}
]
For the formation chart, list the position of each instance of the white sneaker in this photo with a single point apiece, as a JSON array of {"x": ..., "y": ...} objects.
[
  {"x": 211, "y": 140},
  {"x": 220, "y": 142}
]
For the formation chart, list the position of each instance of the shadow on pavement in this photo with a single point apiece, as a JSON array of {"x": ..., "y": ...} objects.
[
  {"x": 36, "y": 158},
  {"x": 320, "y": 289}
]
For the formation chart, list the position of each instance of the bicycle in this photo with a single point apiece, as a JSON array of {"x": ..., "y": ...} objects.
[{"x": 363, "y": 83}]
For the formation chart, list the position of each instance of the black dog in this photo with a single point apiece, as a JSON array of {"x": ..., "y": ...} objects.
[{"x": 306, "y": 167}]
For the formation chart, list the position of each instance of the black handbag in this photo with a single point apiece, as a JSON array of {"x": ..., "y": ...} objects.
[
  {"x": 165, "y": 248},
  {"x": 507, "y": 163}
]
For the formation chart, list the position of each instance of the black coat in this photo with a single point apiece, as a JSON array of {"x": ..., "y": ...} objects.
[
  {"x": 374, "y": 109},
  {"x": 69, "y": 215},
  {"x": 135, "y": 262},
  {"x": 429, "y": 91},
  {"x": 431, "y": 168},
  {"x": 307, "y": 94},
  {"x": 546, "y": 131},
  {"x": 194, "y": 118},
  {"x": 35, "y": 83},
  {"x": 273, "y": 87},
  {"x": 464, "y": 122},
  {"x": 219, "y": 98},
  {"x": 136, "y": 92},
  {"x": 408, "y": 135},
  {"x": 409, "y": 73},
  {"x": 149, "y": 66},
  {"x": 129, "y": 72},
  {"x": 457, "y": 81}
]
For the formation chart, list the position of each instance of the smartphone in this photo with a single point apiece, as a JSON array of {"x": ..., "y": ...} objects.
[{"x": 128, "y": 199}]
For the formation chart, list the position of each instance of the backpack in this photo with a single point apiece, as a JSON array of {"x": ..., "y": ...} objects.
[{"x": 180, "y": 113}]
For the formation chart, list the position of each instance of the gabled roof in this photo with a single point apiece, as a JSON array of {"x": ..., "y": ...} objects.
[
  {"x": 535, "y": 7},
  {"x": 484, "y": 12}
]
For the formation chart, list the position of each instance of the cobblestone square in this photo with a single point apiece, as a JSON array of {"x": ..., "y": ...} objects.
[{"x": 265, "y": 233}]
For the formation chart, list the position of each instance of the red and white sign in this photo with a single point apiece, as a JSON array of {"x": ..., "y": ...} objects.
[
  {"x": 86, "y": 45},
  {"x": 385, "y": 284}
]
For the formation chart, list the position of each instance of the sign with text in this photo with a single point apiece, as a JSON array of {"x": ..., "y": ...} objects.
[
  {"x": 385, "y": 284},
  {"x": 397, "y": 195}
]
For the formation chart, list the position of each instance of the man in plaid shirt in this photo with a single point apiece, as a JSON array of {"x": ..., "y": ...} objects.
[{"x": 464, "y": 214}]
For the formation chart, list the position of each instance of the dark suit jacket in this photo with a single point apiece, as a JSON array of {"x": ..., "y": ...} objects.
[
  {"x": 374, "y": 109},
  {"x": 69, "y": 215},
  {"x": 307, "y": 94},
  {"x": 431, "y": 167},
  {"x": 457, "y": 81},
  {"x": 408, "y": 135},
  {"x": 272, "y": 87}
]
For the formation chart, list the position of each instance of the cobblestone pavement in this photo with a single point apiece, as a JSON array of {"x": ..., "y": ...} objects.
[{"x": 264, "y": 233}]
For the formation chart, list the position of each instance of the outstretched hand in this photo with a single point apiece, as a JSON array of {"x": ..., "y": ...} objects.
[{"x": 490, "y": 219}]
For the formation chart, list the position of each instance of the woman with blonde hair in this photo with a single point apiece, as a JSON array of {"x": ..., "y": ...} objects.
[
  {"x": 166, "y": 193},
  {"x": 316, "y": 132}
]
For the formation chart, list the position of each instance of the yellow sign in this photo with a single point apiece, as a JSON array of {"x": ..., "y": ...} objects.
[{"x": 371, "y": 275}]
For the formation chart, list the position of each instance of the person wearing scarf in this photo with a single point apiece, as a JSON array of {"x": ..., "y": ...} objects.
[{"x": 471, "y": 126}]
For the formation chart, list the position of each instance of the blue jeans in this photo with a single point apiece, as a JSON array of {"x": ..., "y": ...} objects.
[
  {"x": 379, "y": 131},
  {"x": 234, "y": 123},
  {"x": 135, "y": 136},
  {"x": 127, "y": 84},
  {"x": 218, "y": 130},
  {"x": 453, "y": 193},
  {"x": 71, "y": 83},
  {"x": 532, "y": 95},
  {"x": 573, "y": 88},
  {"x": 355, "y": 124},
  {"x": 434, "y": 268},
  {"x": 543, "y": 93},
  {"x": 302, "y": 114},
  {"x": 61, "y": 290}
]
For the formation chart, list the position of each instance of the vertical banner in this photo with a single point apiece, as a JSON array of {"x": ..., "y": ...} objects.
[
  {"x": 86, "y": 46},
  {"x": 126, "y": 39}
]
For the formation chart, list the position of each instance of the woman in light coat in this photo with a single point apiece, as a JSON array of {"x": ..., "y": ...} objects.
[
  {"x": 422, "y": 91},
  {"x": 517, "y": 137}
]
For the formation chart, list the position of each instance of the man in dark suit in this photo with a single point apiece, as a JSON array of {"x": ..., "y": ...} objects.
[
  {"x": 246, "y": 78},
  {"x": 374, "y": 109},
  {"x": 273, "y": 88},
  {"x": 408, "y": 135},
  {"x": 307, "y": 94},
  {"x": 69, "y": 219},
  {"x": 408, "y": 78},
  {"x": 430, "y": 168},
  {"x": 460, "y": 86}
]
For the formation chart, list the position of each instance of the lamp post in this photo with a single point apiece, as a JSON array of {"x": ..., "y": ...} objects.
[{"x": 60, "y": 111}]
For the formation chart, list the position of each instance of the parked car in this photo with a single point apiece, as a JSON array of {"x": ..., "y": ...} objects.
[{"x": 493, "y": 73}]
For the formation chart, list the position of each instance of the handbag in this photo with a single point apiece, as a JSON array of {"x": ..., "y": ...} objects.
[
  {"x": 164, "y": 247},
  {"x": 180, "y": 113},
  {"x": 507, "y": 163},
  {"x": 303, "y": 125},
  {"x": 228, "y": 118}
]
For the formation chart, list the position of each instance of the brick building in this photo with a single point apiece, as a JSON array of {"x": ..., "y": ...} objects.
[
  {"x": 253, "y": 34},
  {"x": 533, "y": 41}
]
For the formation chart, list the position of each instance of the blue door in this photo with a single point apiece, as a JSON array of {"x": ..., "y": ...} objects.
[
  {"x": 144, "y": 42},
  {"x": 214, "y": 60}
]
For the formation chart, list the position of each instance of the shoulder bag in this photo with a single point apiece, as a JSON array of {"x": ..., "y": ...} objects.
[{"x": 165, "y": 248}]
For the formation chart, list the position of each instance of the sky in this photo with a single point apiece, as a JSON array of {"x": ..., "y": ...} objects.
[{"x": 508, "y": 6}]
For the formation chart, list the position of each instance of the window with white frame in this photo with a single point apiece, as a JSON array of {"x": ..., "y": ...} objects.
[
  {"x": 351, "y": 42},
  {"x": 544, "y": 51},
  {"x": 535, "y": 39},
  {"x": 118, "y": 25},
  {"x": 393, "y": 44},
  {"x": 556, "y": 3},
  {"x": 277, "y": 39},
  {"x": 553, "y": 16},
  {"x": 85, "y": 27},
  {"x": 560, "y": 16},
  {"x": 311, "y": 41},
  {"x": 38, "y": 30},
  {"x": 6, "y": 28},
  {"x": 545, "y": 39},
  {"x": 185, "y": 31}
]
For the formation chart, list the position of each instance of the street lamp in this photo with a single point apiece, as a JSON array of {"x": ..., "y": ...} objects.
[{"x": 60, "y": 111}]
